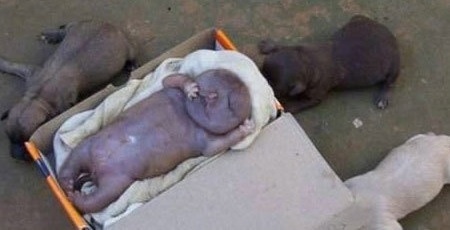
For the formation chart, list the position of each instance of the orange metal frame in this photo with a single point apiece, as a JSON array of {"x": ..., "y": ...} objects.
[{"x": 73, "y": 214}]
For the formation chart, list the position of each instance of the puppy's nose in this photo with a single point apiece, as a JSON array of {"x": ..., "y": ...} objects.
[{"x": 19, "y": 152}]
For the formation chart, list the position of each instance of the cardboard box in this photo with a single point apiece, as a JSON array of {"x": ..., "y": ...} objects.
[{"x": 280, "y": 182}]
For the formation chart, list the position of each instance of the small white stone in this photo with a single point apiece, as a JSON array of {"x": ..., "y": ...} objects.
[{"x": 357, "y": 123}]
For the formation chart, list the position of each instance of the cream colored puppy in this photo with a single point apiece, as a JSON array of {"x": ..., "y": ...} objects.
[{"x": 407, "y": 179}]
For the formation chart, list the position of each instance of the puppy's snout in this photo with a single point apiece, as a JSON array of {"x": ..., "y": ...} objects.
[{"x": 18, "y": 151}]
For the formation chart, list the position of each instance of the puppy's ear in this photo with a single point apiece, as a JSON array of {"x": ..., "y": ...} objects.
[
  {"x": 267, "y": 46},
  {"x": 297, "y": 89},
  {"x": 5, "y": 115}
]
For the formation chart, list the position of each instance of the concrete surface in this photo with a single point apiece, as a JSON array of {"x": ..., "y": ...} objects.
[{"x": 418, "y": 102}]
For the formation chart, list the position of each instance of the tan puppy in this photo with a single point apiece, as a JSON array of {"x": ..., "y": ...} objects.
[
  {"x": 407, "y": 179},
  {"x": 91, "y": 53}
]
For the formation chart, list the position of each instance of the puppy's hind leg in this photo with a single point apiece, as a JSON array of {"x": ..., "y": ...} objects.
[
  {"x": 53, "y": 36},
  {"x": 109, "y": 188},
  {"x": 381, "y": 99},
  {"x": 76, "y": 164},
  {"x": 22, "y": 70}
]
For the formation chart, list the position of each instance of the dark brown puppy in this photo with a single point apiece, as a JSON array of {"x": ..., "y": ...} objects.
[
  {"x": 91, "y": 53},
  {"x": 185, "y": 119},
  {"x": 362, "y": 53}
]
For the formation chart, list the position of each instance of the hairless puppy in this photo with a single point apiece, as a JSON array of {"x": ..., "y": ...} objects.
[
  {"x": 362, "y": 53},
  {"x": 187, "y": 118},
  {"x": 91, "y": 53}
]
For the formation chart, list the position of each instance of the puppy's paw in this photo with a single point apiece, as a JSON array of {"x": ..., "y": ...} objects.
[
  {"x": 381, "y": 97},
  {"x": 382, "y": 103},
  {"x": 191, "y": 89},
  {"x": 49, "y": 38},
  {"x": 247, "y": 127}
]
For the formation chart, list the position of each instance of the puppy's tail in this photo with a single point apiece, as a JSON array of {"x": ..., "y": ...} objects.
[{"x": 267, "y": 46}]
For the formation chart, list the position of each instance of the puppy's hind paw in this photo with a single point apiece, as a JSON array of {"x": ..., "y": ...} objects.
[{"x": 382, "y": 103}]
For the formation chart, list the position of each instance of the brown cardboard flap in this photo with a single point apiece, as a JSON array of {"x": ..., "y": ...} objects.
[{"x": 280, "y": 182}]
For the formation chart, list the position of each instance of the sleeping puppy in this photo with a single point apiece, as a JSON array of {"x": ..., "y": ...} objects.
[
  {"x": 187, "y": 118},
  {"x": 91, "y": 53},
  {"x": 362, "y": 53},
  {"x": 407, "y": 179}
]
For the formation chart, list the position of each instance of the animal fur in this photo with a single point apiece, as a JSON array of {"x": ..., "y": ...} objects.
[
  {"x": 362, "y": 53},
  {"x": 407, "y": 179},
  {"x": 91, "y": 53}
]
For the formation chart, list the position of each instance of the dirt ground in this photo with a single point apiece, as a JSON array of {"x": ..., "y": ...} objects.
[{"x": 418, "y": 101}]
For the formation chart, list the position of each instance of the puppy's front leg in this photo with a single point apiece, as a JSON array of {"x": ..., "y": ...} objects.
[
  {"x": 183, "y": 82},
  {"x": 222, "y": 143}
]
